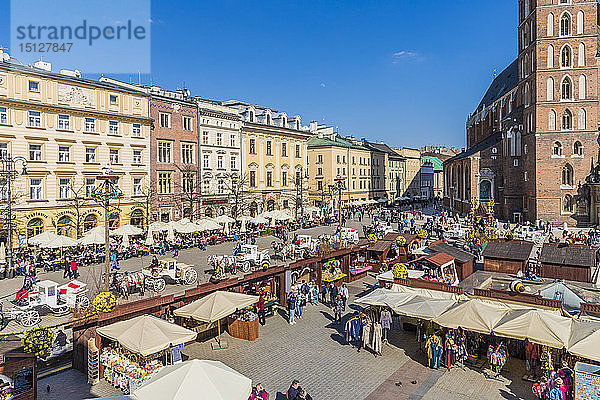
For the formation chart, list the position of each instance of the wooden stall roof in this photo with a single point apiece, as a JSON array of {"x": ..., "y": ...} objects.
[
  {"x": 391, "y": 236},
  {"x": 516, "y": 250},
  {"x": 458, "y": 254},
  {"x": 380, "y": 246},
  {"x": 440, "y": 259},
  {"x": 10, "y": 343},
  {"x": 573, "y": 256}
]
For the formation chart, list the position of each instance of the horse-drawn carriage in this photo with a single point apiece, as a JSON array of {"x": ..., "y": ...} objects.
[
  {"x": 222, "y": 265},
  {"x": 169, "y": 268}
]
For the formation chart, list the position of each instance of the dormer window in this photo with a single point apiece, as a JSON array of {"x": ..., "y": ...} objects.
[
  {"x": 251, "y": 116},
  {"x": 283, "y": 122},
  {"x": 297, "y": 125},
  {"x": 268, "y": 119}
]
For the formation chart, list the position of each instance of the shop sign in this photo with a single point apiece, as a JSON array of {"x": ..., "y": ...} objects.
[{"x": 36, "y": 214}]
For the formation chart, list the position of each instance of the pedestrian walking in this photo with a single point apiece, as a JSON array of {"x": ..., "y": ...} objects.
[
  {"x": 344, "y": 294},
  {"x": 66, "y": 269},
  {"x": 333, "y": 293},
  {"x": 74, "y": 274},
  {"x": 324, "y": 293},
  {"x": 291, "y": 302},
  {"x": 260, "y": 306},
  {"x": 337, "y": 309}
]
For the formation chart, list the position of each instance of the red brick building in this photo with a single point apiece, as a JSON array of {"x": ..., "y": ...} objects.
[
  {"x": 533, "y": 137},
  {"x": 175, "y": 189}
]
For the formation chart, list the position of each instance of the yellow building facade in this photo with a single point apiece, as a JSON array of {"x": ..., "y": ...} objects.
[{"x": 71, "y": 130}]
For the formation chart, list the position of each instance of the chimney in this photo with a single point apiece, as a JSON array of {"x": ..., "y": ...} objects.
[{"x": 313, "y": 126}]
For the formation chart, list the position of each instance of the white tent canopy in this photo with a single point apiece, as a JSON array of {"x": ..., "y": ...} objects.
[
  {"x": 207, "y": 224},
  {"x": 224, "y": 219},
  {"x": 473, "y": 315},
  {"x": 58, "y": 241},
  {"x": 584, "y": 339},
  {"x": 42, "y": 238},
  {"x": 385, "y": 297},
  {"x": 424, "y": 307},
  {"x": 259, "y": 219},
  {"x": 127, "y": 230},
  {"x": 436, "y": 294},
  {"x": 196, "y": 379},
  {"x": 158, "y": 226},
  {"x": 215, "y": 306},
  {"x": 539, "y": 326},
  {"x": 147, "y": 334},
  {"x": 94, "y": 236}
]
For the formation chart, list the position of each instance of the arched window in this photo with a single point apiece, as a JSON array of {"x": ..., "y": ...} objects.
[
  {"x": 137, "y": 218},
  {"x": 89, "y": 222},
  {"x": 566, "y": 89},
  {"x": 565, "y": 57},
  {"x": 526, "y": 94},
  {"x": 550, "y": 89},
  {"x": 581, "y": 119},
  {"x": 251, "y": 116},
  {"x": 222, "y": 211},
  {"x": 526, "y": 34},
  {"x": 552, "y": 120},
  {"x": 568, "y": 204},
  {"x": 578, "y": 149},
  {"x": 580, "y": 23},
  {"x": 253, "y": 209},
  {"x": 550, "y": 25},
  {"x": 557, "y": 149},
  {"x": 113, "y": 219},
  {"x": 63, "y": 226},
  {"x": 567, "y": 120},
  {"x": 208, "y": 213},
  {"x": 567, "y": 175},
  {"x": 565, "y": 24},
  {"x": 270, "y": 205},
  {"x": 35, "y": 226},
  {"x": 526, "y": 65},
  {"x": 582, "y": 87},
  {"x": 550, "y": 58},
  {"x": 581, "y": 55},
  {"x": 268, "y": 119}
]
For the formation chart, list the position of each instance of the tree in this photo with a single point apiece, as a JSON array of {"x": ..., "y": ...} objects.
[
  {"x": 78, "y": 201},
  {"x": 190, "y": 190},
  {"x": 237, "y": 190},
  {"x": 19, "y": 224}
]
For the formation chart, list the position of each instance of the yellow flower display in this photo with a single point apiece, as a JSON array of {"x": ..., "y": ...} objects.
[{"x": 105, "y": 302}]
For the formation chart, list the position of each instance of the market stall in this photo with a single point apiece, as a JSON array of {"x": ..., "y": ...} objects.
[
  {"x": 359, "y": 266},
  {"x": 332, "y": 272},
  {"x": 268, "y": 288},
  {"x": 538, "y": 326},
  {"x": 218, "y": 305},
  {"x": 135, "y": 349}
]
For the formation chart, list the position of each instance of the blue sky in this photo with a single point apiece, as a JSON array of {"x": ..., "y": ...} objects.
[{"x": 405, "y": 72}]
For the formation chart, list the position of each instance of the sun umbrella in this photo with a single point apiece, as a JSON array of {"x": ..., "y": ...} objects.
[
  {"x": 423, "y": 307},
  {"x": 147, "y": 334},
  {"x": 59, "y": 241},
  {"x": 184, "y": 226},
  {"x": 42, "y": 238},
  {"x": 259, "y": 220},
  {"x": 474, "y": 315},
  {"x": 207, "y": 224},
  {"x": 149, "y": 239},
  {"x": 158, "y": 226},
  {"x": 128, "y": 230},
  {"x": 224, "y": 219},
  {"x": 385, "y": 297},
  {"x": 196, "y": 379}
]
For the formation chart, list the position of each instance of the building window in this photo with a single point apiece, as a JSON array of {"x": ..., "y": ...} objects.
[
  {"x": 565, "y": 24},
  {"x": 284, "y": 178},
  {"x": 64, "y": 188},
  {"x": 90, "y": 125},
  {"x": 35, "y": 119},
  {"x": 219, "y": 139},
  {"x": 252, "y": 179},
  {"x": 251, "y": 116},
  {"x": 35, "y": 152},
  {"x": 113, "y": 219},
  {"x": 164, "y": 152},
  {"x": 269, "y": 178},
  {"x": 568, "y": 204},
  {"x": 63, "y": 122},
  {"x": 552, "y": 120},
  {"x": 113, "y": 100},
  {"x": 233, "y": 162},
  {"x": 557, "y": 149},
  {"x": 165, "y": 183},
  {"x": 113, "y": 127},
  {"x": 90, "y": 154},
  {"x": 269, "y": 148},
  {"x": 320, "y": 159},
  {"x": 136, "y": 130},
  {"x": 232, "y": 140},
  {"x": 268, "y": 119},
  {"x": 252, "y": 146},
  {"x": 137, "y": 187},
  {"x": 3, "y": 115},
  {"x": 283, "y": 149},
  {"x": 89, "y": 222},
  {"x": 35, "y": 227},
  {"x": 320, "y": 186},
  {"x": 581, "y": 119},
  {"x": 578, "y": 149},
  {"x": 566, "y": 57},
  {"x": 3, "y": 150},
  {"x": 35, "y": 189},
  {"x": 297, "y": 151},
  {"x": 205, "y": 137},
  {"x": 206, "y": 161},
  {"x": 319, "y": 171},
  {"x": 221, "y": 188},
  {"x": 90, "y": 186},
  {"x": 219, "y": 162},
  {"x": 64, "y": 154},
  {"x": 188, "y": 182},
  {"x": 550, "y": 25},
  {"x": 113, "y": 156},
  {"x": 34, "y": 86},
  {"x": 550, "y": 57},
  {"x": 567, "y": 120},
  {"x": 187, "y": 153},
  {"x": 165, "y": 120},
  {"x": 137, "y": 156},
  {"x": 567, "y": 175},
  {"x": 187, "y": 123}
]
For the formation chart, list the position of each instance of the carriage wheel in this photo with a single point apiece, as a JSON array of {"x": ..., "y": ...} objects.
[
  {"x": 29, "y": 318},
  {"x": 159, "y": 285},
  {"x": 246, "y": 266},
  {"x": 190, "y": 276},
  {"x": 82, "y": 302},
  {"x": 60, "y": 309}
]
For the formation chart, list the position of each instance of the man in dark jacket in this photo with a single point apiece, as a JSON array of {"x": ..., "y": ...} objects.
[
  {"x": 294, "y": 389},
  {"x": 291, "y": 303},
  {"x": 333, "y": 293},
  {"x": 260, "y": 307}
]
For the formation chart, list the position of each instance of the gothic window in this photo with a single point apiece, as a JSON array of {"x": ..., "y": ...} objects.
[
  {"x": 581, "y": 55},
  {"x": 550, "y": 25},
  {"x": 565, "y": 25},
  {"x": 568, "y": 204},
  {"x": 550, "y": 58},
  {"x": 567, "y": 120},
  {"x": 550, "y": 89},
  {"x": 567, "y": 175},
  {"x": 557, "y": 149},
  {"x": 578, "y": 148},
  {"x": 552, "y": 120},
  {"x": 565, "y": 57},
  {"x": 566, "y": 89},
  {"x": 580, "y": 22},
  {"x": 582, "y": 87},
  {"x": 581, "y": 119}
]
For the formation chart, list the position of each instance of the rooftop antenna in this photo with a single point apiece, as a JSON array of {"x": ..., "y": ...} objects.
[
  {"x": 139, "y": 77},
  {"x": 495, "y": 73}
]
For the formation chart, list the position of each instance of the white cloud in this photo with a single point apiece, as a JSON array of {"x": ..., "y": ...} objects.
[{"x": 397, "y": 56}]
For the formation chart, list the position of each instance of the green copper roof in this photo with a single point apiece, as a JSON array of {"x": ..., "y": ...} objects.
[
  {"x": 438, "y": 165},
  {"x": 316, "y": 141}
]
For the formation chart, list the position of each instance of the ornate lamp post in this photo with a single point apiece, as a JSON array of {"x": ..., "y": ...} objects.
[
  {"x": 334, "y": 189},
  {"x": 7, "y": 175}
]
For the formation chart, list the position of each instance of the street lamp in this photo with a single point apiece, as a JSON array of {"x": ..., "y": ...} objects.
[
  {"x": 300, "y": 188},
  {"x": 337, "y": 188},
  {"x": 7, "y": 175}
]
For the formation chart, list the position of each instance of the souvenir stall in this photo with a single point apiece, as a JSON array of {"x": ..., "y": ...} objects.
[
  {"x": 268, "y": 289},
  {"x": 219, "y": 305},
  {"x": 332, "y": 272},
  {"x": 364, "y": 329},
  {"x": 439, "y": 267},
  {"x": 132, "y": 351},
  {"x": 359, "y": 266}
]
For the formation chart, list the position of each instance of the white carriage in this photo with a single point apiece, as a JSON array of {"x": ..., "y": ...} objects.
[
  {"x": 306, "y": 246},
  {"x": 57, "y": 299},
  {"x": 169, "y": 268},
  {"x": 250, "y": 256}
]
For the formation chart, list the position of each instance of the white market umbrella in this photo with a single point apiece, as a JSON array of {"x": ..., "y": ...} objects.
[
  {"x": 259, "y": 220},
  {"x": 2, "y": 253},
  {"x": 42, "y": 238},
  {"x": 474, "y": 315},
  {"x": 125, "y": 241},
  {"x": 58, "y": 242},
  {"x": 158, "y": 226},
  {"x": 147, "y": 334},
  {"x": 224, "y": 219},
  {"x": 94, "y": 236},
  {"x": 196, "y": 379},
  {"x": 266, "y": 214},
  {"x": 207, "y": 224},
  {"x": 282, "y": 215},
  {"x": 170, "y": 235},
  {"x": 539, "y": 326},
  {"x": 423, "y": 307},
  {"x": 584, "y": 339},
  {"x": 127, "y": 230},
  {"x": 184, "y": 226},
  {"x": 385, "y": 297},
  {"x": 149, "y": 239}
]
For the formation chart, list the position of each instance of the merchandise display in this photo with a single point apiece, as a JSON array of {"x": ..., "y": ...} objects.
[{"x": 123, "y": 372}]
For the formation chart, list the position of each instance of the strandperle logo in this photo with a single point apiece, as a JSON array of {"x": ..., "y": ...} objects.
[
  {"x": 94, "y": 36},
  {"x": 85, "y": 31}
]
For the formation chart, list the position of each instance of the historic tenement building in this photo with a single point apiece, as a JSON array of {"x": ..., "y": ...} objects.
[
  {"x": 273, "y": 152},
  {"x": 533, "y": 138},
  {"x": 70, "y": 130}
]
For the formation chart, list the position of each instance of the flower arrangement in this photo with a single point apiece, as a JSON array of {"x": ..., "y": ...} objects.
[
  {"x": 38, "y": 341},
  {"x": 400, "y": 271},
  {"x": 104, "y": 302}
]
